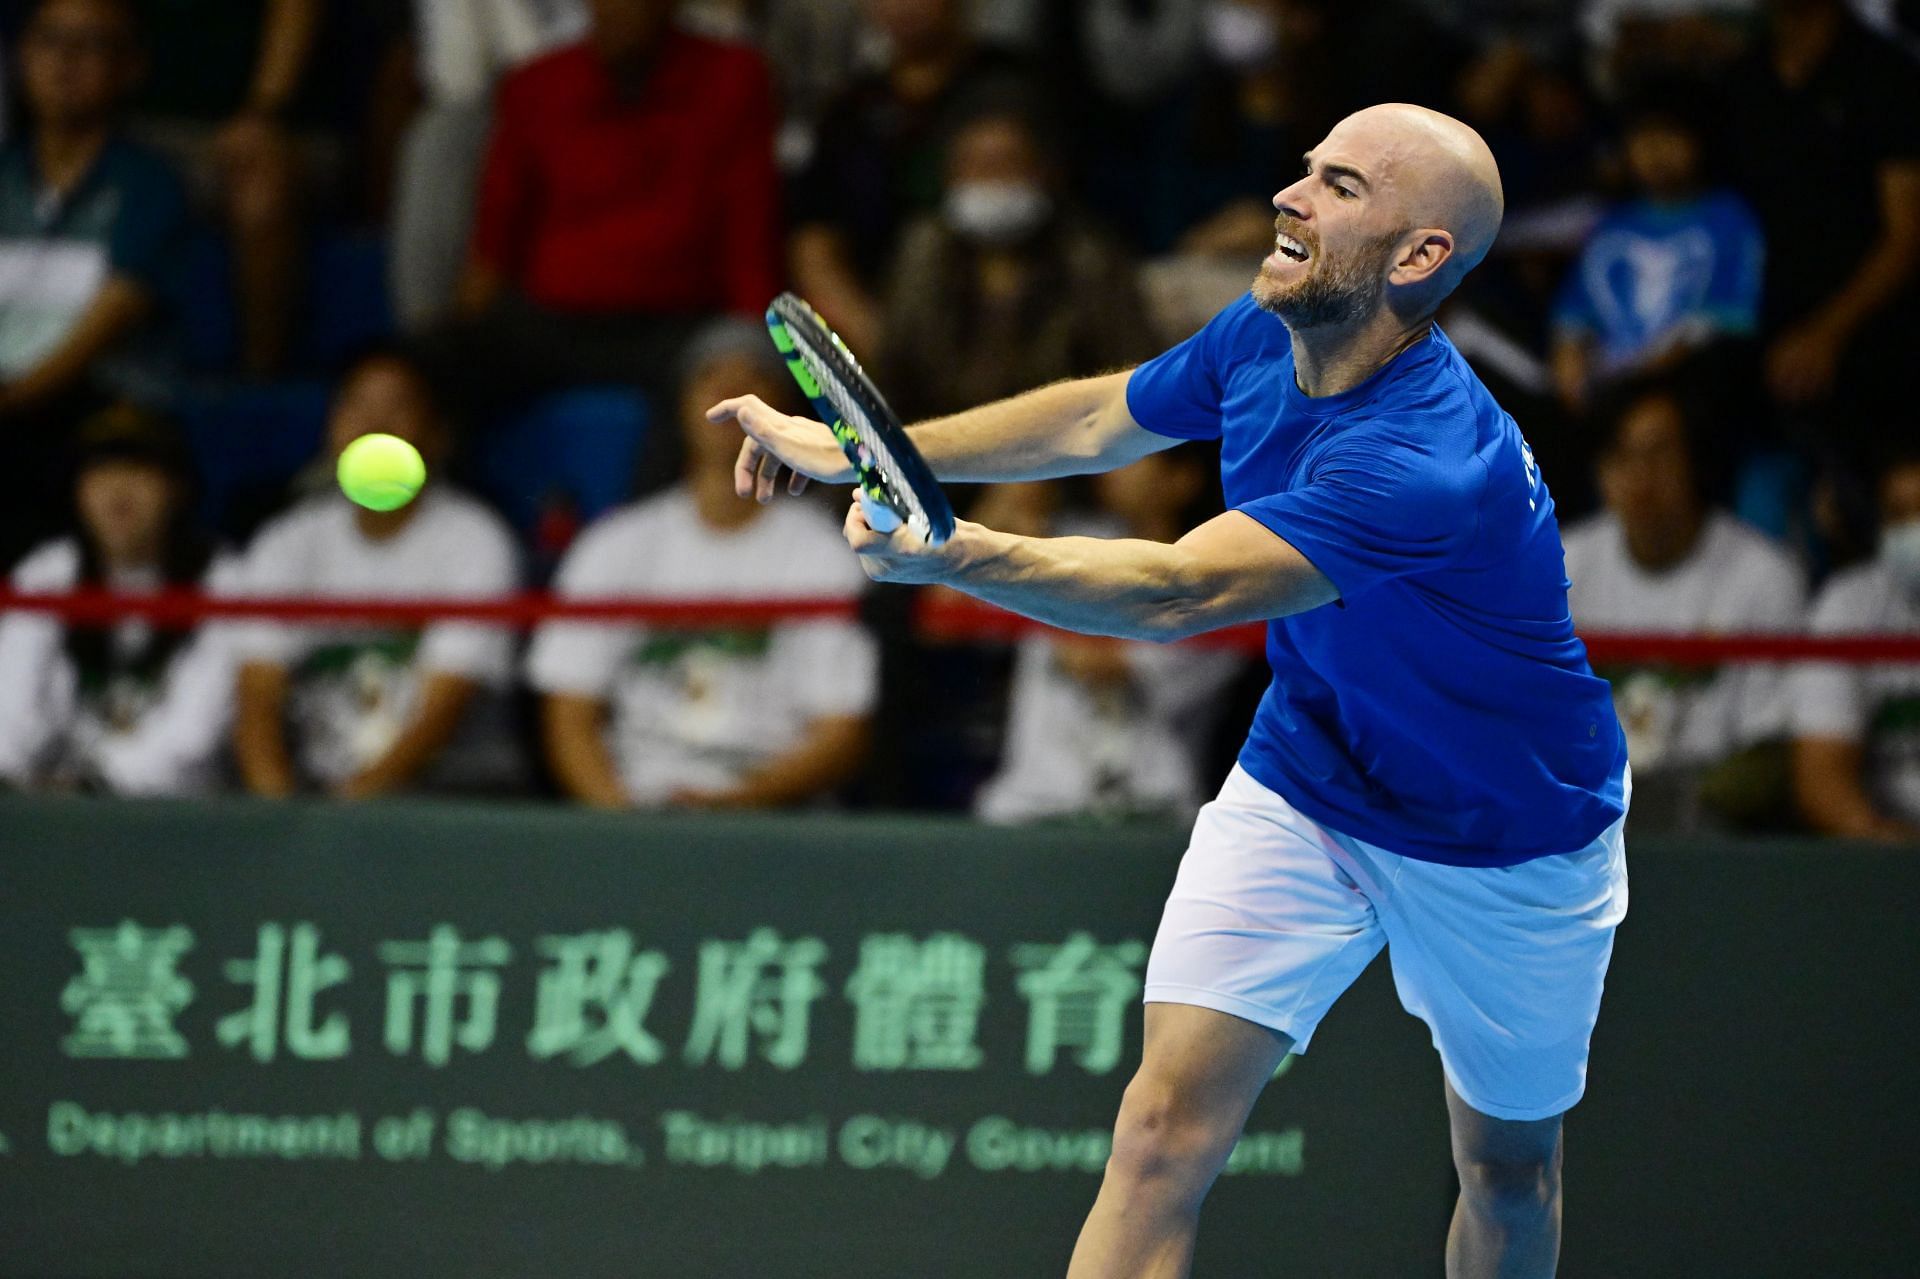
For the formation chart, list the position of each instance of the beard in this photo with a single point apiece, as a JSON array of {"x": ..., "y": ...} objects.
[{"x": 1334, "y": 291}]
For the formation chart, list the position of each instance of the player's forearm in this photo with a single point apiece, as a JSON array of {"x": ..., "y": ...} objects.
[
  {"x": 1127, "y": 588},
  {"x": 1068, "y": 428}
]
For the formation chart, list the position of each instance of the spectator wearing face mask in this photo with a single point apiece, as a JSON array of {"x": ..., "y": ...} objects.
[
  {"x": 1673, "y": 269},
  {"x": 1007, "y": 287},
  {"x": 129, "y": 708},
  {"x": 1708, "y": 745},
  {"x": 877, "y": 162},
  {"x": 1857, "y": 748}
]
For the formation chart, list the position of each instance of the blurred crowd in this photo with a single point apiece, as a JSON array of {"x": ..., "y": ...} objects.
[{"x": 534, "y": 237}]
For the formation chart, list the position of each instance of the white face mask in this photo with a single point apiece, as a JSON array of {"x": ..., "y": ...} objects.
[
  {"x": 997, "y": 213},
  {"x": 1900, "y": 552},
  {"x": 1239, "y": 35}
]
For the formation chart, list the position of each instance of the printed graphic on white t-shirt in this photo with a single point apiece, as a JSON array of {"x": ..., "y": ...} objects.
[
  {"x": 1734, "y": 581},
  {"x": 1877, "y": 705},
  {"x": 700, "y": 709},
  {"x": 150, "y": 723},
  {"x": 354, "y": 689}
]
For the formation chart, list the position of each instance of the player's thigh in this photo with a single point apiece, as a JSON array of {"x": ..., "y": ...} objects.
[
  {"x": 1263, "y": 922},
  {"x": 1200, "y": 1073},
  {"x": 1507, "y": 967},
  {"x": 1215, "y": 1058}
]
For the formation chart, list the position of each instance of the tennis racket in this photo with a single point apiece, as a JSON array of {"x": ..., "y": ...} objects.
[{"x": 894, "y": 483}]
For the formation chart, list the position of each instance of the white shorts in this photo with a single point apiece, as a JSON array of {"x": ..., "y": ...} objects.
[{"x": 1274, "y": 915}]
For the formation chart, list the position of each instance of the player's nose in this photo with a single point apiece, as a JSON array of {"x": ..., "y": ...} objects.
[{"x": 1292, "y": 201}]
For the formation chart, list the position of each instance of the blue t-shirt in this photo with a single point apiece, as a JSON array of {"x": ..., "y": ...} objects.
[
  {"x": 1443, "y": 708},
  {"x": 1653, "y": 273}
]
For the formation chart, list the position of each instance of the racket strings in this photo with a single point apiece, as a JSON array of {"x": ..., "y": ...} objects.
[{"x": 855, "y": 415}]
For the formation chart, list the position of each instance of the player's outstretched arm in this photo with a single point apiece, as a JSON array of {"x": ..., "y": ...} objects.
[
  {"x": 1069, "y": 428},
  {"x": 1230, "y": 569},
  {"x": 1079, "y": 427}
]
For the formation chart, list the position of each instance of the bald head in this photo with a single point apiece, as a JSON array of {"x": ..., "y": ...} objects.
[
  {"x": 1436, "y": 171},
  {"x": 1396, "y": 205},
  {"x": 1448, "y": 175}
]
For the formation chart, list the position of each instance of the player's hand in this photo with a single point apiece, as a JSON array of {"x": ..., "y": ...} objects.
[
  {"x": 901, "y": 556},
  {"x": 780, "y": 447}
]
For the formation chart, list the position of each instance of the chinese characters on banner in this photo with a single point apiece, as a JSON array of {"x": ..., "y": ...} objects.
[{"x": 916, "y": 1001}]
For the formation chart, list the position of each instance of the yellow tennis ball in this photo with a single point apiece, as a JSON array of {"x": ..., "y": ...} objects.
[{"x": 381, "y": 472}]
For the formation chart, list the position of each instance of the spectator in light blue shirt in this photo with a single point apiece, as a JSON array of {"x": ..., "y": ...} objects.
[{"x": 1672, "y": 269}]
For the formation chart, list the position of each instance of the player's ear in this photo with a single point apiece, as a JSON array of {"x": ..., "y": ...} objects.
[{"x": 1422, "y": 254}]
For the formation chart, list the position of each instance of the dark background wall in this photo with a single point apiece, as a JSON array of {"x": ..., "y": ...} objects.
[{"x": 1746, "y": 1114}]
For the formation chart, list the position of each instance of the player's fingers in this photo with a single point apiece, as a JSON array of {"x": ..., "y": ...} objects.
[
  {"x": 759, "y": 419},
  {"x": 731, "y": 407},
  {"x": 797, "y": 483},
  {"x": 767, "y": 482},
  {"x": 859, "y": 535},
  {"x": 745, "y": 467}
]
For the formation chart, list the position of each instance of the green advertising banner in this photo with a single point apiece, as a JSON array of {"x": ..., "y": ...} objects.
[{"x": 422, "y": 1040}]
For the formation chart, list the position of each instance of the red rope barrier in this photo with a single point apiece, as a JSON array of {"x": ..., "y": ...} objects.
[
  {"x": 184, "y": 608},
  {"x": 938, "y": 614},
  {"x": 950, "y": 615}
]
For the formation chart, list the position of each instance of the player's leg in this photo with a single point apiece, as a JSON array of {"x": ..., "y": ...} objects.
[
  {"x": 1262, "y": 932},
  {"x": 1200, "y": 1073},
  {"x": 1507, "y": 967},
  {"x": 1507, "y": 1221}
]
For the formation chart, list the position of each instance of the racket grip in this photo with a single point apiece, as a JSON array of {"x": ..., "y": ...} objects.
[{"x": 880, "y": 518}]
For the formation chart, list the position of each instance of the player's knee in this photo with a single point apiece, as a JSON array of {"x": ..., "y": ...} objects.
[
  {"x": 1163, "y": 1136},
  {"x": 1510, "y": 1188}
]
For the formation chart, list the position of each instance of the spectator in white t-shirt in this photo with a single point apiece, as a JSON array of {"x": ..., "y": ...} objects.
[
  {"x": 355, "y": 710},
  {"x": 131, "y": 708},
  {"x": 1857, "y": 749},
  {"x": 1105, "y": 728},
  {"x": 726, "y": 717},
  {"x": 1705, "y": 743}
]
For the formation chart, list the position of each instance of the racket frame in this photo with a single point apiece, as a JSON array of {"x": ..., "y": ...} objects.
[{"x": 889, "y": 471}]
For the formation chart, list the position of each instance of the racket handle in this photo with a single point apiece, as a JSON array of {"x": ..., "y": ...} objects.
[{"x": 881, "y": 519}]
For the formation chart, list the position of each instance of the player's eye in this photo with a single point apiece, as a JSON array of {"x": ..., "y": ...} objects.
[{"x": 1344, "y": 193}]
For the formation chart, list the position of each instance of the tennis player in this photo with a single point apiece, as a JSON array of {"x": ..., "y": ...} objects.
[{"x": 1435, "y": 769}]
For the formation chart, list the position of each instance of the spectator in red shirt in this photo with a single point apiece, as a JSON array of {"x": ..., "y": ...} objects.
[{"x": 629, "y": 194}]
